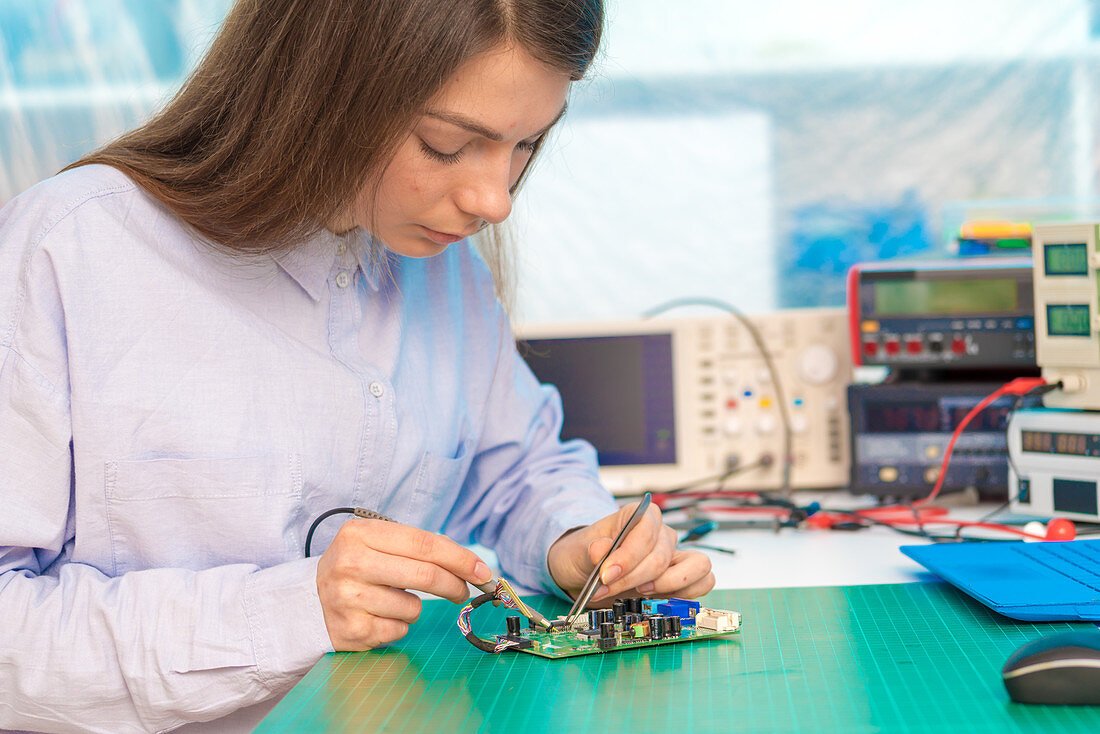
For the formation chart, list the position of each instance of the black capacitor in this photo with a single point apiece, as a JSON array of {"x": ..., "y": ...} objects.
[
  {"x": 594, "y": 619},
  {"x": 513, "y": 625},
  {"x": 607, "y": 615},
  {"x": 634, "y": 605},
  {"x": 659, "y": 627},
  {"x": 673, "y": 626},
  {"x": 618, "y": 609},
  {"x": 607, "y": 630}
]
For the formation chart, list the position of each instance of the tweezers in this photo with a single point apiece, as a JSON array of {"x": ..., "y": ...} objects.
[{"x": 593, "y": 581}]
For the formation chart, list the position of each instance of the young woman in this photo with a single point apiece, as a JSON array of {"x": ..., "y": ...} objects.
[{"x": 262, "y": 305}]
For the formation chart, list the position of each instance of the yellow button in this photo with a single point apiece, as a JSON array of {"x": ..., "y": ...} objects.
[
  {"x": 765, "y": 402},
  {"x": 932, "y": 452},
  {"x": 869, "y": 327},
  {"x": 888, "y": 474}
]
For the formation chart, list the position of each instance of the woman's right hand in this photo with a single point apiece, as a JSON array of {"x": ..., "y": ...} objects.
[{"x": 364, "y": 575}]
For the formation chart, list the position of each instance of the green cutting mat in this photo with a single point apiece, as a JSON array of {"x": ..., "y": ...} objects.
[{"x": 892, "y": 658}]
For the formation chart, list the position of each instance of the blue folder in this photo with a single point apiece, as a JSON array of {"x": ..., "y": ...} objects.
[{"x": 1036, "y": 582}]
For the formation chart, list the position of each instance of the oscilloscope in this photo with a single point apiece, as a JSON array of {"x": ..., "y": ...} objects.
[{"x": 672, "y": 401}]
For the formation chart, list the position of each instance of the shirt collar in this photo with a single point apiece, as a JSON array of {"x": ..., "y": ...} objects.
[{"x": 311, "y": 261}]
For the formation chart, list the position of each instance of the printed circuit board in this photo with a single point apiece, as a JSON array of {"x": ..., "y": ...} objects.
[{"x": 630, "y": 623}]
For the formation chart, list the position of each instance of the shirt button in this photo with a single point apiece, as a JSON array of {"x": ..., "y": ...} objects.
[
  {"x": 341, "y": 248},
  {"x": 376, "y": 389},
  {"x": 342, "y": 279}
]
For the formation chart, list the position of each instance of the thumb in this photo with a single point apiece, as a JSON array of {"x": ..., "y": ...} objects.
[{"x": 597, "y": 549}]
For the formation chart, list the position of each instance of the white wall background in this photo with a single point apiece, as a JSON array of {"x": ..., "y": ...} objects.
[{"x": 625, "y": 212}]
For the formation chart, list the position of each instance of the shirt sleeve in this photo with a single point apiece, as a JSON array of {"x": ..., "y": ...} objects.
[
  {"x": 526, "y": 487},
  {"x": 144, "y": 651}
]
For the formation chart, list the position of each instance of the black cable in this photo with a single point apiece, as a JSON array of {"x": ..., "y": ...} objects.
[
  {"x": 920, "y": 523},
  {"x": 795, "y": 513},
  {"x": 788, "y": 458},
  {"x": 696, "y": 483},
  {"x": 479, "y": 642},
  {"x": 322, "y": 516}
]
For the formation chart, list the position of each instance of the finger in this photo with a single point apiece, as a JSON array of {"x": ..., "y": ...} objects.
[
  {"x": 396, "y": 539},
  {"x": 646, "y": 572},
  {"x": 388, "y": 630},
  {"x": 685, "y": 571},
  {"x": 597, "y": 549},
  {"x": 651, "y": 566},
  {"x": 390, "y": 603},
  {"x": 363, "y": 631},
  {"x": 348, "y": 595},
  {"x": 637, "y": 544},
  {"x": 695, "y": 590},
  {"x": 405, "y": 573}
]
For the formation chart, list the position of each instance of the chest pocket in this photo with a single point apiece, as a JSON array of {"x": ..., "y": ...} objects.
[
  {"x": 438, "y": 481},
  {"x": 200, "y": 513}
]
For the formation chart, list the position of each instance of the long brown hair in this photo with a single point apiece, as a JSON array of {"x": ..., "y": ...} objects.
[{"x": 299, "y": 104}]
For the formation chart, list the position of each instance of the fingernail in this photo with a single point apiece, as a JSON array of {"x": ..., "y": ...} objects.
[
  {"x": 600, "y": 593},
  {"x": 611, "y": 573},
  {"x": 482, "y": 573},
  {"x": 647, "y": 588}
]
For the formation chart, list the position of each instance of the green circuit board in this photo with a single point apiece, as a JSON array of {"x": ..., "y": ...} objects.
[
  {"x": 584, "y": 637},
  {"x": 571, "y": 644}
]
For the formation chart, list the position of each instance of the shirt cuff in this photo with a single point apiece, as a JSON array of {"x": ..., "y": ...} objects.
[{"x": 286, "y": 621}]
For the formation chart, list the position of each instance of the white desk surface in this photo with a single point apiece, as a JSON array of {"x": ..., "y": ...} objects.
[{"x": 810, "y": 557}]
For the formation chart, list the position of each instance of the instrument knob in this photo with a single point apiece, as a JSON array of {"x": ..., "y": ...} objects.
[
  {"x": 817, "y": 364},
  {"x": 766, "y": 424}
]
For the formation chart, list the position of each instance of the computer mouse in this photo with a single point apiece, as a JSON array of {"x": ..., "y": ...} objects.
[{"x": 1063, "y": 668}]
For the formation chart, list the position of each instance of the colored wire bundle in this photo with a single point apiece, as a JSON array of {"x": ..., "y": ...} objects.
[{"x": 507, "y": 596}]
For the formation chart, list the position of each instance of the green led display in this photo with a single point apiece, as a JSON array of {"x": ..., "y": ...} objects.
[
  {"x": 946, "y": 297},
  {"x": 1068, "y": 320},
  {"x": 1067, "y": 259}
]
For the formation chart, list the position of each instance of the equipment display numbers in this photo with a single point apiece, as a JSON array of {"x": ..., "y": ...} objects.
[
  {"x": 1067, "y": 259},
  {"x": 1068, "y": 320},
  {"x": 1052, "y": 442}
]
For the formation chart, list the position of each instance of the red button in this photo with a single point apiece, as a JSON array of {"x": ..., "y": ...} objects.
[
  {"x": 892, "y": 347},
  {"x": 913, "y": 346},
  {"x": 958, "y": 346},
  {"x": 870, "y": 348}
]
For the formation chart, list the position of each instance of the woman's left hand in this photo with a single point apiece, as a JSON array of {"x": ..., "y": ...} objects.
[{"x": 647, "y": 563}]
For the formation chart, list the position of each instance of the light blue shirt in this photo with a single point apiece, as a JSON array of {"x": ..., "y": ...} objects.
[{"x": 172, "y": 419}]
